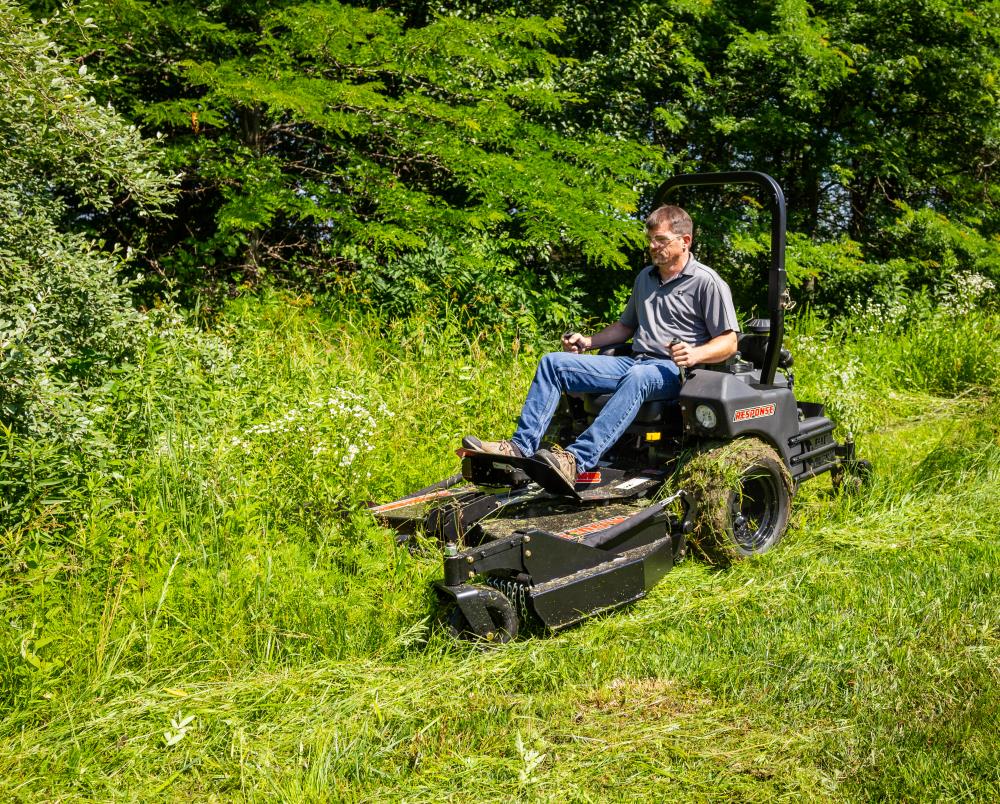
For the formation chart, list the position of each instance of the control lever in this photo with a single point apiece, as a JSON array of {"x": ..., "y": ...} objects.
[
  {"x": 681, "y": 370},
  {"x": 567, "y": 333}
]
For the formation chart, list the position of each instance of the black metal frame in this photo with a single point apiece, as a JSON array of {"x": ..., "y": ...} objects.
[
  {"x": 776, "y": 274},
  {"x": 563, "y": 580}
]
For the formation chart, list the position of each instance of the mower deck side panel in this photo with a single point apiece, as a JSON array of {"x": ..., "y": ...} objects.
[
  {"x": 445, "y": 514},
  {"x": 625, "y": 579},
  {"x": 403, "y": 515}
]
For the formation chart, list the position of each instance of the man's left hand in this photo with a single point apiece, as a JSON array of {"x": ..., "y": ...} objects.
[{"x": 684, "y": 354}]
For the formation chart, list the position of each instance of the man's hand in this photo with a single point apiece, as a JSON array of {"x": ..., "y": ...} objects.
[
  {"x": 575, "y": 342},
  {"x": 684, "y": 354},
  {"x": 717, "y": 350}
]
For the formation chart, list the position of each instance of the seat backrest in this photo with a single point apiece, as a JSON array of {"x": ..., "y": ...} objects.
[{"x": 753, "y": 345}]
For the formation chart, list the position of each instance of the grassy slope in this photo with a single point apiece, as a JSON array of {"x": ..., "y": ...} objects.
[{"x": 225, "y": 578}]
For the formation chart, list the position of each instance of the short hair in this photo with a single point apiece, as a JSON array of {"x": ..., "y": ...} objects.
[{"x": 679, "y": 221}]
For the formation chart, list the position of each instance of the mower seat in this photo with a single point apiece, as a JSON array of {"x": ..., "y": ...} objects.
[{"x": 650, "y": 412}]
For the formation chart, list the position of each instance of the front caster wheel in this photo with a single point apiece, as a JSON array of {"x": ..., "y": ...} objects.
[
  {"x": 744, "y": 500},
  {"x": 488, "y": 616},
  {"x": 851, "y": 476}
]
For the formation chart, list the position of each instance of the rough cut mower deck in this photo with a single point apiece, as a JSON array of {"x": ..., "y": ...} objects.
[
  {"x": 519, "y": 545},
  {"x": 551, "y": 554}
]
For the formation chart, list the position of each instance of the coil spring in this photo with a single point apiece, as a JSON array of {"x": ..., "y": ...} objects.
[{"x": 516, "y": 593}]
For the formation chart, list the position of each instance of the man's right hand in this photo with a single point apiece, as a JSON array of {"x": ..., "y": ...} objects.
[{"x": 575, "y": 342}]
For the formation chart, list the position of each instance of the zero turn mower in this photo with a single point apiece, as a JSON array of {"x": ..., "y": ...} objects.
[{"x": 715, "y": 469}]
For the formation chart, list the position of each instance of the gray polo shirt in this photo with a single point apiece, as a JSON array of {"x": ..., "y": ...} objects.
[{"x": 695, "y": 306}]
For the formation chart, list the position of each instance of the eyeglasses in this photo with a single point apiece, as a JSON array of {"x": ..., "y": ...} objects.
[{"x": 660, "y": 240}]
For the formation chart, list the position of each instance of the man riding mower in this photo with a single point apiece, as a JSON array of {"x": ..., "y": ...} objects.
[{"x": 690, "y": 434}]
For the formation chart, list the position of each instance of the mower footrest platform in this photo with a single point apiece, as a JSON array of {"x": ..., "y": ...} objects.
[
  {"x": 445, "y": 510},
  {"x": 603, "y": 483}
]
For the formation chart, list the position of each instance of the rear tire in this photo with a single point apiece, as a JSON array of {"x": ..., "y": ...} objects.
[{"x": 744, "y": 497}]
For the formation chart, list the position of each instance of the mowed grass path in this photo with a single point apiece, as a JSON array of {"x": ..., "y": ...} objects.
[{"x": 857, "y": 661}]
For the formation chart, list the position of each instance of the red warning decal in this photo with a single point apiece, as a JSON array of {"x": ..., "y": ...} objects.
[
  {"x": 588, "y": 477},
  {"x": 754, "y": 413},
  {"x": 593, "y": 527}
]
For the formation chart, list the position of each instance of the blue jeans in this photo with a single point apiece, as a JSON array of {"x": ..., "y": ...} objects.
[{"x": 631, "y": 380}]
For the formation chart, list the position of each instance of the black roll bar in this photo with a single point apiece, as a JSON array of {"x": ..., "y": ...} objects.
[{"x": 776, "y": 274}]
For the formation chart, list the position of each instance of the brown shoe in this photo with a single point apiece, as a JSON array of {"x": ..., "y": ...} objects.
[
  {"x": 562, "y": 461},
  {"x": 506, "y": 449}
]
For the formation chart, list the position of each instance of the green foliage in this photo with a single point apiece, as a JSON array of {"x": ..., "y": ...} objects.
[
  {"x": 911, "y": 86},
  {"x": 67, "y": 325},
  {"x": 288, "y": 429},
  {"x": 475, "y": 282},
  {"x": 321, "y": 130},
  {"x": 319, "y": 140},
  {"x": 957, "y": 271},
  {"x": 944, "y": 348},
  {"x": 61, "y": 145},
  {"x": 851, "y": 112},
  {"x": 942, "y": 248}
]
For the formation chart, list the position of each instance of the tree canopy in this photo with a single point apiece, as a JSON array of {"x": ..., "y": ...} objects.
[
  {"x": 319, "y": 140},
  {"x": 313, "y": 130}
]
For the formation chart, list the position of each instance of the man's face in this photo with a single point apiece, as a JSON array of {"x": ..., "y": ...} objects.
[{"x": 666, "y": 248}]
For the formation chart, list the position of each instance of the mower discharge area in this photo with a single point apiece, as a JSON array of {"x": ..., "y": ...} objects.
[{"x": 714, "y": 471}]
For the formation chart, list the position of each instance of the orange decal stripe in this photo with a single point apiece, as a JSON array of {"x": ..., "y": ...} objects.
[
  {"x": 593, "y": 527},
  {"x": 382, "y": 509}
]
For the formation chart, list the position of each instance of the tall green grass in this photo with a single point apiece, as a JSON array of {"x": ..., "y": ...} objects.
[{"x": 222, "y": 619}]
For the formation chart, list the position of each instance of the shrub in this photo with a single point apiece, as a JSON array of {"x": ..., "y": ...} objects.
[
  {"x": 923, "y": 258},
  {"x": 67, "y": 324}
]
